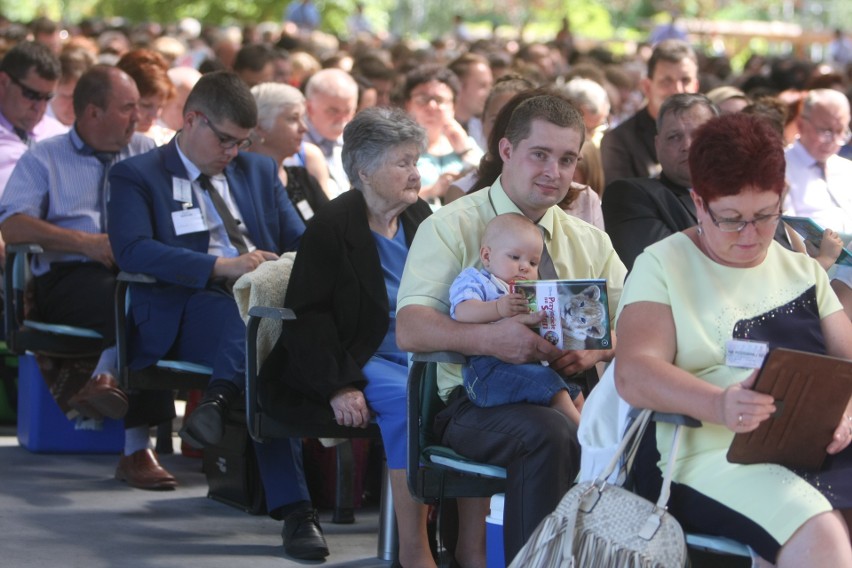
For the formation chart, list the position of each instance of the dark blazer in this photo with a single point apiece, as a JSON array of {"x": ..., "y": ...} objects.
[
  {"x": 143, "y": 237},
  {"x": 628, "y": 150},
  {"x": 639, "y": 212},
  {"x": 338, "y": 293}
]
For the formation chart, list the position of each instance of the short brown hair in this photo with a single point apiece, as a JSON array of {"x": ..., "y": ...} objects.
[{"x": 733, "y": 151}]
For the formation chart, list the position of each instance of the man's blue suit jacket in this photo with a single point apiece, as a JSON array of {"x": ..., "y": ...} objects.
[{"x": 143, "y": 238}]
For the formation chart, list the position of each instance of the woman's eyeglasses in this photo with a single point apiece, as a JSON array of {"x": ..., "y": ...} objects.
[{"x": 737, "y": 225}]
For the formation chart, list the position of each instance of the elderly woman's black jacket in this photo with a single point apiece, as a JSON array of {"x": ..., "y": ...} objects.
[{"x": 338, "y": 294}]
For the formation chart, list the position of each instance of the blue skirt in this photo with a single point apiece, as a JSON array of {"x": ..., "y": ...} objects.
[{"x": 387, "y": 380}]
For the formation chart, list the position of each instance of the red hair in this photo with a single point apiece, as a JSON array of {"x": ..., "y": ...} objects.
[
  {"x": 150, "y": 71},
  {"x": 734, "y": 151}
]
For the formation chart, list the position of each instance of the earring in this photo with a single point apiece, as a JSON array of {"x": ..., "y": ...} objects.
[{"x": 700, "y": 229}]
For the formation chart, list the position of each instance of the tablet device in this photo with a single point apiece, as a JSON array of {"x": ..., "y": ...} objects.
[{"x": 811, "y": 392}]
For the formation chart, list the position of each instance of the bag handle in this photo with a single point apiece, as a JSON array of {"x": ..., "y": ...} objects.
[{"x": 631, "y": 439}]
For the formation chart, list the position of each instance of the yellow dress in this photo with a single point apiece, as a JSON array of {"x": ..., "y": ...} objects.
[{"x": 781, "y": 301}]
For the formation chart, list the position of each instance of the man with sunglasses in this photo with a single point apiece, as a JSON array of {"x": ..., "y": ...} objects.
[
  {"x": 28, "y": 76},
  {"x": 818, "y": 177},
  {"x": 196, "y": 214}
]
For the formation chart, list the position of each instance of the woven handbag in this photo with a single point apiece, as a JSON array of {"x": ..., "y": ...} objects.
[{"x": 601, "y": 525}]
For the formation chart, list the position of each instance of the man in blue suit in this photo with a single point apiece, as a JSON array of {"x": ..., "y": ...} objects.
[{"x": 197, "y": 214}]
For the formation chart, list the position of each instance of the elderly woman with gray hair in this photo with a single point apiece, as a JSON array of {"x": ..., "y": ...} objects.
[
  {"x": 341, "y": 349},
  {"x": 279, "y": 132}
]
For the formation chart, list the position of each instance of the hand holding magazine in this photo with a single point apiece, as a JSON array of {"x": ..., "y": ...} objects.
[
  {"x": 812, "y": 233},
  {"x": 577, "y": 312}
]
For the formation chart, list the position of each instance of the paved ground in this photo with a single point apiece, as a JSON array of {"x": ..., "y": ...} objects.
[{"x": 61, "y": 510}]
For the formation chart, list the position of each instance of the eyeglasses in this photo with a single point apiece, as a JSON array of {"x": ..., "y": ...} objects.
[
  {"x": 827, "y": 135},
  {"x": 737, "y": 225},
  {"x": 30, "y": 94},
  {"x": 226, "y": 142},
  {"x": 423, "y": 100}
]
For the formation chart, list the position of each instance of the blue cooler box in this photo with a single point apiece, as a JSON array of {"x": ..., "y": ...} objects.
[
  {"x": 495, "y": 557},
  {"x": 42, "y": 428}
]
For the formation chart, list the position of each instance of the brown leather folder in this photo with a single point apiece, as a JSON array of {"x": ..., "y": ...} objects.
[{"x": 811, "y": 392}]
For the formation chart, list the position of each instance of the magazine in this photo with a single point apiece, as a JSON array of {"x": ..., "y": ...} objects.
[
  {"x": 812, "y": 232},
  {"x": 577, "y": 311}
]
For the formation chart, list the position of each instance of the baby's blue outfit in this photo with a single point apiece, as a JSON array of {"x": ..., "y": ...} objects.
[{"x": 488, "y": 381}]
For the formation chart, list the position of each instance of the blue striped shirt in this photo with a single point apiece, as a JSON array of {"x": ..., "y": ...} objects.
[{"x": 59, "y": 180}]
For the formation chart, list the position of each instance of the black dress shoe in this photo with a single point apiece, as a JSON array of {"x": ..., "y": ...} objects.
[
  {"x": 206, "y": 424},
  {"x": 303, "y": 538}
]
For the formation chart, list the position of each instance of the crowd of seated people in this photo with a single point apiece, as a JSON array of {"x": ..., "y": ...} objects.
[{"x": 195, "y": 155}]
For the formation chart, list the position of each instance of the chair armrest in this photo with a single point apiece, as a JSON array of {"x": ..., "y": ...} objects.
[
  {"x": 26, "y": 248},
  {"x": 269, "y": 312},
  {"x": 256, "y": 314},
  {"x": 135, "y": 277},
  {"x": 439, "y": 357},
  {"x": 669, "y": 418}
]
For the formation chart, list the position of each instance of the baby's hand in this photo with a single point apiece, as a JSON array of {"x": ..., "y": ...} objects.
[
  {"x": 831, "y": 245},
  {"x": 511, "y": 305}
]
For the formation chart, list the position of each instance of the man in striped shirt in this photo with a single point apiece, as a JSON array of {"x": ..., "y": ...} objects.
[{"x": 57, "y": 197}]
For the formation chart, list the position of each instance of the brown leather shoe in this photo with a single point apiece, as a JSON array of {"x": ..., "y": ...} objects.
[
  {"x": 100, "y": 397},
  {"x": 143, "y": 471}
]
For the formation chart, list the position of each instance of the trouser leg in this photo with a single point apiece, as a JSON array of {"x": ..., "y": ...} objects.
[{"x": 538, "y": 447}]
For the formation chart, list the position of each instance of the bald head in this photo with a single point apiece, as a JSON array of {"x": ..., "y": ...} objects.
[
  {"x": 511, "y": 247},
  {"x": 824, "y": 123},
  {"x": 332, "y": 96},
  {"x": 507, "y": 226}
]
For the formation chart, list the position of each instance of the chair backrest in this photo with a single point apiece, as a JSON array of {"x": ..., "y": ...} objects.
[{"x": 433, "y": 470}]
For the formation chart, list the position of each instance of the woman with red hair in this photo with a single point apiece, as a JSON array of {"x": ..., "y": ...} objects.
[
  {"x": 149, "y": 70},
  {"x": 727, "y": 279}
]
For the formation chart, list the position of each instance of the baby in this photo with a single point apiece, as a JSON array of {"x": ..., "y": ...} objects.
[{"x": 511, "y": 250}]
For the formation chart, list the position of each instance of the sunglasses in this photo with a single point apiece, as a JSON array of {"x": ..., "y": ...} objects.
[{"x": 30, "y": 94}]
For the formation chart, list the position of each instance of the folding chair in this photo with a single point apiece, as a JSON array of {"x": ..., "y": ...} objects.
[
  {"x": 168, "y": 374},
  {"x": 267, "y": 420},
  {"x": 436, "y": 471},
  {"x": 22, "y": 334}
]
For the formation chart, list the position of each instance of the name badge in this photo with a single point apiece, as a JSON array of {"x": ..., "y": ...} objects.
[
  {"x": 745, "y": 354},
  {"x": 182, "y": 190},
  {"x": 305, "y": 209},
  {"x": 188, "y": 221}
]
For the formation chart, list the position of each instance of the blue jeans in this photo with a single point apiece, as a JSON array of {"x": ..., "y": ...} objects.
[{"x": 488, "y": 382}]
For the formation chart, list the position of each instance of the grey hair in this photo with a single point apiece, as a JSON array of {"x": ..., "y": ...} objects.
[
  {"x": 682, "y": 102},
  {"x": 587, "y": 94},
  {"x": 371, "y": 134},
  {"x": 824, "y": 97},
  {"x": 272, "y": 99}
]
